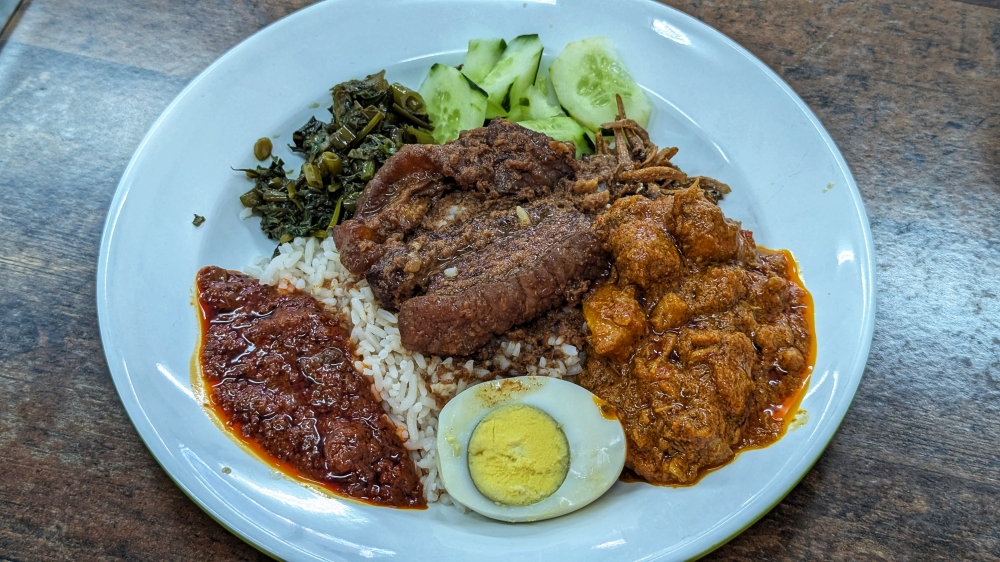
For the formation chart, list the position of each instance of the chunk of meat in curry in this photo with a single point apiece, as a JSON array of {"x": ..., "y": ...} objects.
[{"x": 695, "y": 337}]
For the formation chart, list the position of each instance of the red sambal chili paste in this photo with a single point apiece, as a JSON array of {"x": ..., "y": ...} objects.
[{"x": 280, "y": 374}]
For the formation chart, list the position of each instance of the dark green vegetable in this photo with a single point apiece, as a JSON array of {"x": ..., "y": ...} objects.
[
  {"x": 312, "y": 175},
  {"x": 198, "y": 219},
  {"x": 331, "y": 164},
  {"x": 408, "y": 100},
  {"x": 372, "y": 119},
  {"x": 336, "y": 214},
  {"x": 262, "y": 148}
]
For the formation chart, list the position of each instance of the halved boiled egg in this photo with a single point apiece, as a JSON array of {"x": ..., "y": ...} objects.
[{"x": 528, "y": 448}]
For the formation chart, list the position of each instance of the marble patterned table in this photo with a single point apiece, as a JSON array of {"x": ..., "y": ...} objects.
[{"x": 910, "y": 91}]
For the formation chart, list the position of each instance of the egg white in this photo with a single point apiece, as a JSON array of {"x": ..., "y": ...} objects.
[{"x": 596, "y": 444}]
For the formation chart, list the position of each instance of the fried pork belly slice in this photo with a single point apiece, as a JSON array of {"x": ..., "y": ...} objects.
[
  {"x": 505, "y": 284},
  {"x": 500, "y": 160}
]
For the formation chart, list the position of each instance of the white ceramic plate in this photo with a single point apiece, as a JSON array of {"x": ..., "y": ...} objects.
[{"x": 732, "y": 118}]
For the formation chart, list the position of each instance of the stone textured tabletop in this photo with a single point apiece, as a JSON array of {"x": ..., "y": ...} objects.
[{"x": 910, "y": 91}]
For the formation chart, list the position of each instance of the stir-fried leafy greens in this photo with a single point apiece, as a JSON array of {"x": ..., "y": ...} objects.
[{"x": 372, "y": 119}]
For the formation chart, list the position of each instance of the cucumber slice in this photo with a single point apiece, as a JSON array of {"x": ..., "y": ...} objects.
[
  {"x": 561, "y": 128},
  {"x": 535, "y": 103},
  {"x": 482, "y": 55},
  {"x": 587, "y": 75},
  {"x": 494, "y": 110},
  {"x": 544, "y": 83},
  {"x": 509, "y": 79},
  {"x": 454, "y": 103},
  {"x": 516, "y": 113}
]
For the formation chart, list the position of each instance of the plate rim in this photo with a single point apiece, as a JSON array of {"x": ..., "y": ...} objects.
[{"x": 136, "y": 413}]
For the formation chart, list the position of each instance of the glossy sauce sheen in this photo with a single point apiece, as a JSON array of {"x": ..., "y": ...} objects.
[
  {"x": 279, "y": 373},
  {"x": 701, "y": 340},
  {"x": 784, "y": 412}
]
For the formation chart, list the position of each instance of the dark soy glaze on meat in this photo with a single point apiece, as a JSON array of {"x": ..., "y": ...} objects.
[
  {"x": 280, "y": 375},
  {"x": 489, "y": 232},
  {"x": 701, "y": 340},
  {"x": 433, "y": 209},
  {"x": 526, "y": 276}
]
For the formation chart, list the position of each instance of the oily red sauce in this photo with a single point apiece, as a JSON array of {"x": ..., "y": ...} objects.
[
  {"x": 278, "y": 372},
  {"x": 786, "y": 410},
  {"x": 783, "y": 412},
  {"x": 698, "y": 337}
]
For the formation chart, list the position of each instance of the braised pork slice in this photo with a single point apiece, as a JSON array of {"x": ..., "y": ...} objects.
[
  {"x": 509, "y": 282},
  {"x": 472, "y": 238},
  {"x": 503, "y": 161}
]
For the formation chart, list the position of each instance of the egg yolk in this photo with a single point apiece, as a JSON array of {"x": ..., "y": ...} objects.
[{"x": 518, "y": 455}]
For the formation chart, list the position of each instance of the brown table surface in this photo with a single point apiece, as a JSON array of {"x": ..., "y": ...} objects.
[{"x": 910, "y": 91}]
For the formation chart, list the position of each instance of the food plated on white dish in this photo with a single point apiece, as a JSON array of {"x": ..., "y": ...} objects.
[{"x": 262, "y": 504}]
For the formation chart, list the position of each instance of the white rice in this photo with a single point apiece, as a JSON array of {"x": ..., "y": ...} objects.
[{"x": 410, "y": 384}]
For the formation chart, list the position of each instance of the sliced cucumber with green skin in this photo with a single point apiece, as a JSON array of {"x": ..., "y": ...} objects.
[
  {"x": 510, "y": 77},
  {"x": 494, "y": 110},
  {"x": 516, "y": 113},
  {"x": 454, "y": 103},
  {"x": 561, "y": 128},
  {"x": 544, "y": 83},
  {"x": 482, "y": 55},
  {"x": 587, "y": 75},
  {"x": 536, "y": 105}
]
